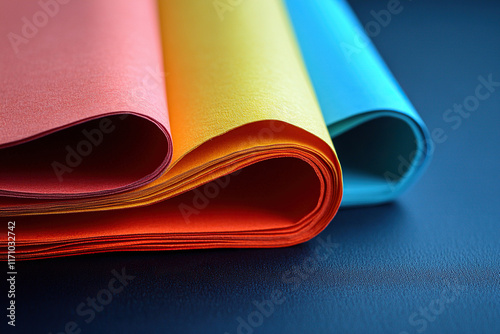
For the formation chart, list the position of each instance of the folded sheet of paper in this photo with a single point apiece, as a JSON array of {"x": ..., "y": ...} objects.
[
  {"x": 382, "y": 143},
  {"x": 133, "y": 125}
]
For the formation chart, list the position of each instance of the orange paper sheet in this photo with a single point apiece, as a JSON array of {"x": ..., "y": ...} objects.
[{"x": 251, "y": 160}]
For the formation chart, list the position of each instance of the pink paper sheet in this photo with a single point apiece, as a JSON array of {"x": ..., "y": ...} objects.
[{"x": 99, "y": 59}]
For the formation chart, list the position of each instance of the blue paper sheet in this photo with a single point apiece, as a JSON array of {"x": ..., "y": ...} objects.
[{"x": 382, "y": 143}]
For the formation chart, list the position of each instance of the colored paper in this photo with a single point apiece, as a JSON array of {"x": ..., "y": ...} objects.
[
  {"x": 252, "y": 163},
  {"x": 144, "y": 125},
  {"x": 382, "y": 143},
  {"x": 76, "y": 70}
]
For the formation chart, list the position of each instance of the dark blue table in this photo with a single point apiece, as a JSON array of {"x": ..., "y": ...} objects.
[{"x": 429, "y": 263}]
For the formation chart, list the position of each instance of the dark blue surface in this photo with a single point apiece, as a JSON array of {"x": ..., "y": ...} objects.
[{"x": 388, "y": 263}]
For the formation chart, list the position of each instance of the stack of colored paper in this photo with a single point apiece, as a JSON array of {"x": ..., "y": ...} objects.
[{"x": 180, "y": 124}]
